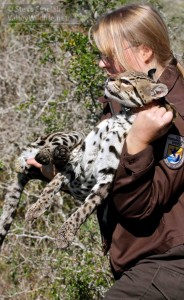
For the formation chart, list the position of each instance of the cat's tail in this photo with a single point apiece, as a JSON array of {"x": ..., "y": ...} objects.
[{"x": 11, "y": 202}]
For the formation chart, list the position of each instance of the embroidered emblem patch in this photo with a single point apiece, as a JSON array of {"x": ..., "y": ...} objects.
[{"x": 174, "y": 151}]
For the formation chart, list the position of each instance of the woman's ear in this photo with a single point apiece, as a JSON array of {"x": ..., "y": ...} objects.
[{"x": 146, "y": 53}]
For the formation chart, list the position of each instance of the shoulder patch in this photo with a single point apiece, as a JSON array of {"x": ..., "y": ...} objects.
[{"x": 174, "y": 151}]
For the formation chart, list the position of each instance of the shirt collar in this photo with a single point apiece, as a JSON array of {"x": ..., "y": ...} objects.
[
  {"x": 170, "y": 75},
  {"x": 172, "y": 78}
]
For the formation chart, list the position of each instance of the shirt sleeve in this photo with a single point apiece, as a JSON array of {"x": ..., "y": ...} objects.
[{"x": 142, "y": 185}]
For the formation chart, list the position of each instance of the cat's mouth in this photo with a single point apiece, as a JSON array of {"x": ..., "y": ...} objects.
[{"x": 111, "y": 94}]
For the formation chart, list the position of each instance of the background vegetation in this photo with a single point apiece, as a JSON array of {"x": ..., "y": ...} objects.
[{"x": 49, "y": 80}]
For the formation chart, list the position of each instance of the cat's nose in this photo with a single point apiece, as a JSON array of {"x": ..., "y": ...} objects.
[{"x": 109, "y": 80}]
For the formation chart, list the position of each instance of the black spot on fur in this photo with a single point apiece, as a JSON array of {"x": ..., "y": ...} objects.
[
  {"x": 119, "y": 137},
  {"x": 72, "y": 138},
  {"x": 90, "y": 181},
  {"x": 50, "y": 139},
  {"x": 96, "y": 129},
  {"x": 113, "y": 150},
  {"x": 56, "y": 143},
  {"x": 14, "y": 197},
  {"x": 89, "y": 207},
  {"x": 41, "y": 143},
  {"x": 83, "y": 147},
  {"x": 7, "y": 227},
  {"x": 65, "y": 143},
  {"x": 72, "y": 174},
  {"x": 107, "y": 171},
  {"x": 13, "y": 214},
  {"x": 90, "y": 161}
]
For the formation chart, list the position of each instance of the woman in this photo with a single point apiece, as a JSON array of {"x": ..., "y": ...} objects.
[
  {"x": 142, "y": 220},
  {"x": 142, "y": 224}
]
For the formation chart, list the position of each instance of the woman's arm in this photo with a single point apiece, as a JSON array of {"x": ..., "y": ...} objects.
[{"x": 141, "y": 184}]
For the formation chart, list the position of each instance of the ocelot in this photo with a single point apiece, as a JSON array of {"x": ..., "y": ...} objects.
[{"x": 86, "y": 167}]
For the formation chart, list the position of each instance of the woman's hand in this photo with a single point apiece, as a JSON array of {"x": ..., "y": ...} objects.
[
  {"x": 48, "y": 171},
  {"x": 149, "y": 125}
]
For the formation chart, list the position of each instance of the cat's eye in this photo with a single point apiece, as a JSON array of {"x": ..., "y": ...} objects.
[{"x": 122, "y": 80}]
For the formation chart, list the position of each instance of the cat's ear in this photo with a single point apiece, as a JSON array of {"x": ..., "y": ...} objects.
[
  {"x": 151, "y": 73},
  {"x": 158, "y": 90}
]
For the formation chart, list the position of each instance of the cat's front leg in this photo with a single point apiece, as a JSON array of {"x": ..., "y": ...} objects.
[{"x": 69, "y": 229}]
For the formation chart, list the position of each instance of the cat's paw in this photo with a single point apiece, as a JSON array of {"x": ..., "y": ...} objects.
[
  {"x": 20, "y": 165},
  {"x": 60, "y": 156},
  {"x": 43, "y": 156},
  {"x": 66, "y": 235}
]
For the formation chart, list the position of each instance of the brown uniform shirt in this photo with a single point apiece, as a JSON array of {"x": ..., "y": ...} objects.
[{"x": 144, "y": 214}]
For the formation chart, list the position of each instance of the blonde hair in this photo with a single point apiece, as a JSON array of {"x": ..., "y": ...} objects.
[{"x": 136, "y": 25}]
